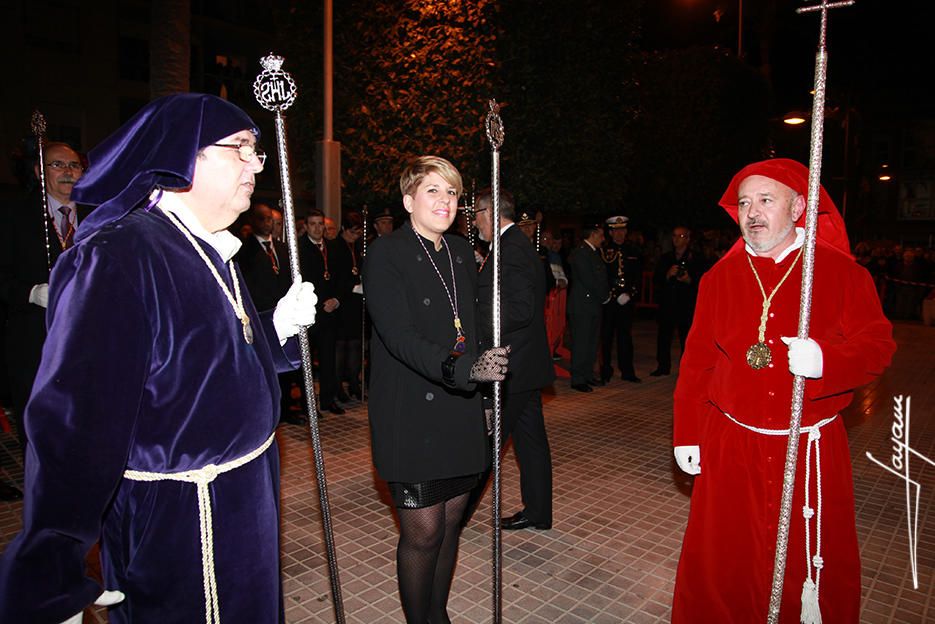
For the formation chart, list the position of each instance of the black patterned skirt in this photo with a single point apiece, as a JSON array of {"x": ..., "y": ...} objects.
[{"x": 428, "y": 493}]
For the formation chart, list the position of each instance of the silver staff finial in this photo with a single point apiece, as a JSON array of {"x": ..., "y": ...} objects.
[
  {"x": 38, "y": 124},
  {"x": 494, "y": 126},
  {"x": 274, "y": 88}
]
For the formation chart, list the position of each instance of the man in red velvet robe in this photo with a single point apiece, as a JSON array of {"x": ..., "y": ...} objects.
[{"x": 733, "y": 404}]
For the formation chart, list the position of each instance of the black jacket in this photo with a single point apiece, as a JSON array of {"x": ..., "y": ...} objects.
[
  {"x": 421, "y": 429},
  {"x": 266, "y": 287},
  {"x": 522, "y": 306}
]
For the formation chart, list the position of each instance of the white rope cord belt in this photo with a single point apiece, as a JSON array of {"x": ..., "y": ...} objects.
[
  {"x": 202, "y": 477},
  {"x": 810, "y": 611}
]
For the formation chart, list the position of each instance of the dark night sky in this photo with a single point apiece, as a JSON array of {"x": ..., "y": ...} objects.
[{"x": 880, "y": 52}]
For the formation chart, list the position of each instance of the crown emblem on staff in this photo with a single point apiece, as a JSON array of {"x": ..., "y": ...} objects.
[
  {"x": 274, "y": 89},
  {"x": 272, "y": 63}
]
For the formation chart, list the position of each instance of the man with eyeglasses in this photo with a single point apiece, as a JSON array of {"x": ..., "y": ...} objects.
[
  {"x": 676, "y": 287},
  {"x": 30, "y": 243},
  {"x": 152, "y": 417}
]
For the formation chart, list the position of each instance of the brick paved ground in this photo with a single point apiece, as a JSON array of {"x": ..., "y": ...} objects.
[{"x": 620, "y": 509}]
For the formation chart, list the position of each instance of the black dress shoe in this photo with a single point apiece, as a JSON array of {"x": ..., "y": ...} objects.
[
  {"x": 597, "y": 382},
  {"x": 631, "y": 378},
  {"x": 293, "y": 418},
  {"x": 582, "y": 387},
  {"x": 334, "y": 408},
  {"x": 8, "y": 493},
  {"x": 659, "y": 372},
  {"x": 520, "y": 521}
]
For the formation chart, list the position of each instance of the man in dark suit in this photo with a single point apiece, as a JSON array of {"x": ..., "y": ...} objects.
[
  {"x": 264, "y": 261},
  {"x": 676, "y": 282},
  {"x": 523, "y": 291},
  {"x": 587, "y": 291},
  {"x": 321, "y": 263},
  {"x": 264, "y": 264},
  {"x": 30, "y": 243}
]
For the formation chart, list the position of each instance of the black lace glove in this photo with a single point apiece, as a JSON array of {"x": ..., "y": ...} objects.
[{"x": 491, "y": 365}]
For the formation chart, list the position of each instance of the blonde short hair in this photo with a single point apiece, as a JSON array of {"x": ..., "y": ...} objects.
[{"x": 417, "y": 168}]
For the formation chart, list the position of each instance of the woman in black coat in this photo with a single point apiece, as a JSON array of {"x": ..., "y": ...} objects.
[{"x": 426, "y": 419}]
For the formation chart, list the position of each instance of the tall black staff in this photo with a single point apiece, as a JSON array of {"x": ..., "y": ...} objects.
[
  {"x": 494, "y": 128},
  {"x": 38, "y": 130},
  {"x": 363, "y": 316},
  {"x": 810, "y": 611},
  {"x": 275, "y": 90}
]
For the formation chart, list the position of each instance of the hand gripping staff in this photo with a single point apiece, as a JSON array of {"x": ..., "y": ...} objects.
[
  {"x": 494, "y": 129},
  {"x": 810, "y": 612},
  {"x": 275, "y": 90}
]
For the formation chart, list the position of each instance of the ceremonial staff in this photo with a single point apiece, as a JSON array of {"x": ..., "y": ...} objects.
[
  {"x": 38, "y": 129},
  {"x": 810, "y": 610},
  {"x": 538, "y": 232},
  {"x": 363, "y": 315},
  {"x": 275, "y": 90},
  {"x": 469, "y": 215},
  {"x": 494, "y": 128}
]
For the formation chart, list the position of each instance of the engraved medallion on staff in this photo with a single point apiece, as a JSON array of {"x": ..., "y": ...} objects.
[{"x": 274, "y": 88}]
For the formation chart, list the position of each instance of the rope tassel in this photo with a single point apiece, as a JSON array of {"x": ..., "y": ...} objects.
[{"x": 811, "y": 613}]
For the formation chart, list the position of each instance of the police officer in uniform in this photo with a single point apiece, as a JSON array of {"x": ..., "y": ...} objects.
[{"x": 624, "y": 272}]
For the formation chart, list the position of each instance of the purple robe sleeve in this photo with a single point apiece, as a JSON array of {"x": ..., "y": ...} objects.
[{"x": 80, "y": 422}]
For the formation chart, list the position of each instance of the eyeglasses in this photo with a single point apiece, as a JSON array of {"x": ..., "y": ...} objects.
[
  {"x": 246, "y": 151},
  {"x": 61, "y": 165}
]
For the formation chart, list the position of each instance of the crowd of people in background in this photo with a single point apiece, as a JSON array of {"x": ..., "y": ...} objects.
[{"x": 659, "y": 269}]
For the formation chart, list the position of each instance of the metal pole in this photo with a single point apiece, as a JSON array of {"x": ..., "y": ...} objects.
[
  {"x": 328, "y": 73},
  {"x": 805, "y": 307},
  {"x": 494, "y": 127},
  {"x": 38, "y": 130},
  {"x": 363, "y": 315},
  {"x": 275, "y": 91}
]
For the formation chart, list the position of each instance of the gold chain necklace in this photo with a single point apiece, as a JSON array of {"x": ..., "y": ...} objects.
[
  {"x": 759, "y": 355},
  {"x": 235, "y": 300}
]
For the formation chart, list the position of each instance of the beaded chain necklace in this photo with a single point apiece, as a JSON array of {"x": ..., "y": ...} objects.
[
  {"x": 459, "y": 345},
  {"x": 235, "y": 300}
]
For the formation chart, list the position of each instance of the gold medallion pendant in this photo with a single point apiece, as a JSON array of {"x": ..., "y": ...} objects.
[{"x": 759, "y": 356}]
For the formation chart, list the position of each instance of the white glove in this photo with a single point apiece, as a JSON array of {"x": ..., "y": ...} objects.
[
  {"x": 805, "y": 357},
  {"x": 689, "y": 459},
  {"x": 623, "y": 299},
  {"x": 106, "y": 599},
  {"x": 295, "y": 311},
  {"x": 39, "y": 295}
]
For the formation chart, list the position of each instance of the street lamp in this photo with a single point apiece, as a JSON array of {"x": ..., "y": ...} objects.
[{"x": 796, "y": 118}]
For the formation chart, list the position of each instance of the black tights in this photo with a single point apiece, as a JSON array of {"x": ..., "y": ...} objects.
[{"x": 425, "y": 559}]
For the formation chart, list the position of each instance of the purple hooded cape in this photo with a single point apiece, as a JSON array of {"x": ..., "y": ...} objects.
[{"x": 145, "y": 368}]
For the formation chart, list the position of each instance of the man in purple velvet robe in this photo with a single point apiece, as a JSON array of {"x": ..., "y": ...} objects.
[{"x": 151, "y": 421}]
